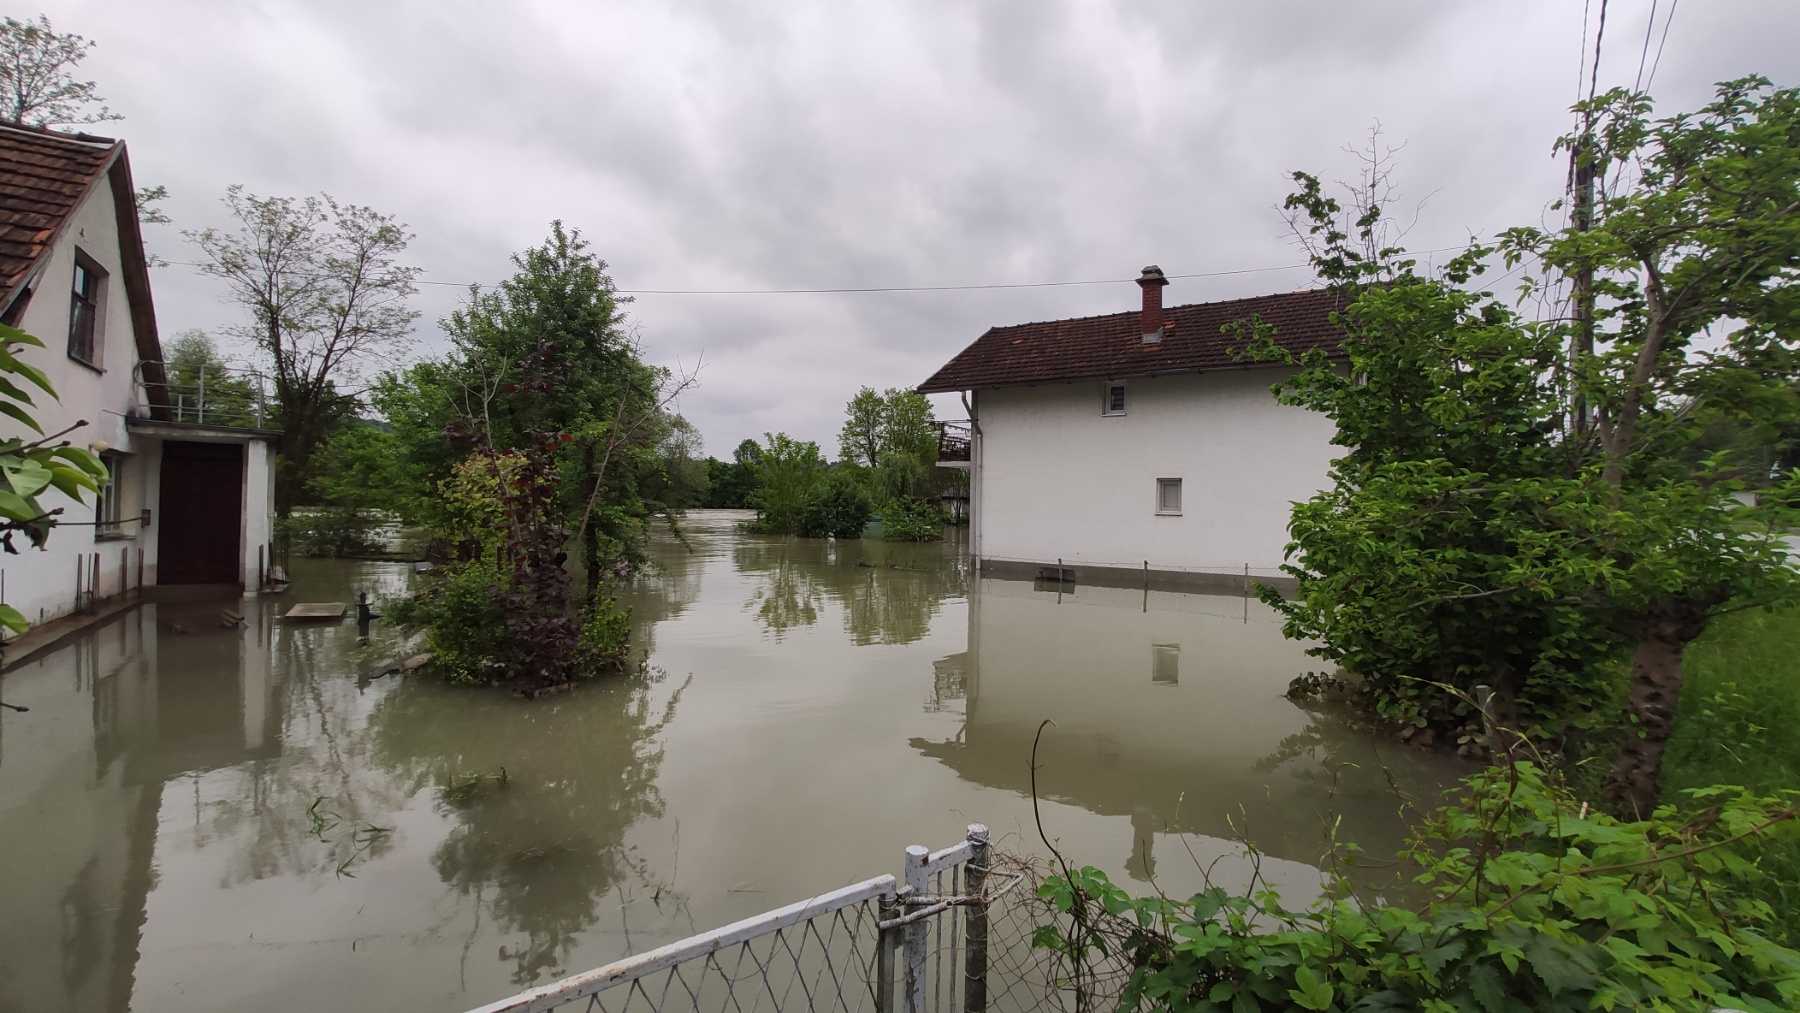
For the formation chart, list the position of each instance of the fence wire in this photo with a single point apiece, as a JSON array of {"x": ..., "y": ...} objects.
[{"x": 964, "y": 944}]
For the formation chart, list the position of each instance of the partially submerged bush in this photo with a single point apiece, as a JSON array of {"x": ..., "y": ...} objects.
[
  {"x": 459, "y": 609},
  {"x": 1527, "y": 903},
  {"x": 840, "y": 510},
  {"x": 503, "y": 609},
  {"x": 912, "y": 520}
]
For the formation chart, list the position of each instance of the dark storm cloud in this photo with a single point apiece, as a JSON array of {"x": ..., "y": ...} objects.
[{"x": 822, "y": 144}]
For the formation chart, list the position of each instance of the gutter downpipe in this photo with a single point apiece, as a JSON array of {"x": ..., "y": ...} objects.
[{"x": 975, "y": 463}]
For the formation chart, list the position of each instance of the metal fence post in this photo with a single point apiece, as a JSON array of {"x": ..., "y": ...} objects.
[
  {"x": 912, "y": 985},
  {"x": 975, "y": 963}
]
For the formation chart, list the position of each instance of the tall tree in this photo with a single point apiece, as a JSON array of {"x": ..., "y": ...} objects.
[
  {"x": 37, "y": 65},
  {"x": 327, "y": 297},
  {"x": 1515, "y": 501},
  {"x": 896, "y": 421}
]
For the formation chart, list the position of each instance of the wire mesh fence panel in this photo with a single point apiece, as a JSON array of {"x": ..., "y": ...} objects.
[
  {"x": 956, "y": 937},
  {"x": 818, "y": 955}
]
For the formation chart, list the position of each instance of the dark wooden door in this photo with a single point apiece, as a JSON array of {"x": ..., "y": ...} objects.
[{"x": 201, "y": 513}]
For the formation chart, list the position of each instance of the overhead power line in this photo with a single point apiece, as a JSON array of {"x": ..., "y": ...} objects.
[{"x": 876, "y": 289}]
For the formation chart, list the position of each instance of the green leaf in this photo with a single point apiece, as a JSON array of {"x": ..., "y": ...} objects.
[
  {"x": 14, "y": 411},
  {"x": 16, "y": 508},
  {"x": 1313, "y": 993},
  {"x": 12, "y": 619}
]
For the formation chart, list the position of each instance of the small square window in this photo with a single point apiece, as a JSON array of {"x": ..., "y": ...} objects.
[
  {"x": 1165, "y": 664},
  {"x": 1168, "y": 496},
  {"x": 1115, "y": 400}
]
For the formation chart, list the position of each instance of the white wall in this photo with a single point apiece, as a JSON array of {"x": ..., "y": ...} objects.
[
  {"x": 44, "y": 580},
  {"x": 1057, "y": 479}
]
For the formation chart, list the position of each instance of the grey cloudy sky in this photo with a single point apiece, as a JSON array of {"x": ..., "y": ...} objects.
[{"x": 846, "y": 143}]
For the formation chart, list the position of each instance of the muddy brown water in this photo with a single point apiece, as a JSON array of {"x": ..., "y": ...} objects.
[{"x": 196, "y": 818}]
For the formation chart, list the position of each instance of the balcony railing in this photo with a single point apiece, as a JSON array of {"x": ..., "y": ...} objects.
[{"x": 955, "y": 442}]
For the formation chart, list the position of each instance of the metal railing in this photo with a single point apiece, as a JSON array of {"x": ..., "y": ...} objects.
[
  {"x": 921, "y": 945},
  {"x": 216, "y": 396},
  {"x": 955, "y": 441}
]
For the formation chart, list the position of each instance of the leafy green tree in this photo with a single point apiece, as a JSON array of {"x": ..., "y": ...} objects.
[
  {"x": 327, "y": 296},
  {"x": 788, "y": 473},
  {"x": 37, "y": 79},
  {"x": 203, "y": 387},
  {"x": 1548, "y": 481},
  {"x": 840, "y": 509},
  {"x": 895, "y": 421},
  {"x": 364, "y": 466},
  {"x": 546, "y": 351},
  {"x": 730, "y": 484}
]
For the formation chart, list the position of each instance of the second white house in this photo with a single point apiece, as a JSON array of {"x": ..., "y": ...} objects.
[{"x": 1137, "y": 445}]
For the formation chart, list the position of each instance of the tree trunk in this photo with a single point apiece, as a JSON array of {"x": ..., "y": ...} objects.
[
  {"x": 590, "y": 535},
  {"x": 1635, "y": 781}
]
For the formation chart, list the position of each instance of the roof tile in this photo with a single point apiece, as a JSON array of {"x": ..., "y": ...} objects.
[{"x": 43, "y": 176}]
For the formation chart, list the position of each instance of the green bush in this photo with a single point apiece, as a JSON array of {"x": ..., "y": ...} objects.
[
  {"x": 840, "y": 510},
  {"x": 333, "y": 531},
  {"x": 1526, "y": 903},
  {"x": 460, "y": 611},
  {"x": 912, "y": 520},
  {"x": 605, "y": 637}
]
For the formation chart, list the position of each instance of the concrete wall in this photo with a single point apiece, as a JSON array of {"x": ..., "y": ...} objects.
[
  {"x": 42, "y": 582},
  {"x": 1054, "y": 478}
]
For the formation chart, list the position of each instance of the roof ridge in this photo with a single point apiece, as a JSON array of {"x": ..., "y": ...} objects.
[{"x": 79, "y": 137}]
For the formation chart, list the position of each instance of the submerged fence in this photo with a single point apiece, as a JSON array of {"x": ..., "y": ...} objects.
[{"x": 952, "y": 936}]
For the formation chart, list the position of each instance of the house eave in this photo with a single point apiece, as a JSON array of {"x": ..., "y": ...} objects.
[
  {"x": 930, "y": 388},
  {"x": 200, "y": 431}
]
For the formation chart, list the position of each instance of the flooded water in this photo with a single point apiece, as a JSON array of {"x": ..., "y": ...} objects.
[{"x": 198, "y": 817}]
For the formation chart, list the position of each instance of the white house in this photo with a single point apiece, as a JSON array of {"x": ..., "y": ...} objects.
[
  {"x": 187, "y": 504},
  {"x": 1137, "y": 446}
]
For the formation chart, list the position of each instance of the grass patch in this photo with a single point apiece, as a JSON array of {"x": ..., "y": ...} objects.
[
  {"x": 1739, "y": 719},
  {"x": 1739, "y": 723}
]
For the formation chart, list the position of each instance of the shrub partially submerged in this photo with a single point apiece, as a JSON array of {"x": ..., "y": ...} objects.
[
  {"x": 503, "y": 610},
  {"x": 1528, "y": 903}
]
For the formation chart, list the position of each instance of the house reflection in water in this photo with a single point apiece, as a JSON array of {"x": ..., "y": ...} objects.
[
  {"x": 1170, "y": 712},
  {"x": 112, "y": 748}
]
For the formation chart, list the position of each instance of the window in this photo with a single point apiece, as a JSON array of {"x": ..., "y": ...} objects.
[
  {"x": 84, "y": 311},
  {"x": 1165, "y": 664},
  {"x": 108, "y": 506},
  {"x": 1168, "y": 496},
  {"x": 1114, "y": 404}
]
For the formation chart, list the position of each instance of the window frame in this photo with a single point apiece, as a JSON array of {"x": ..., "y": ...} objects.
[
  {"x": 109, "y": 518},
  {"x": 1106, "y": 399},
  {"x": 1165, "y": 664},
  {"x": 1162, "y": 484},
  {"x": 94, "y": 304}
]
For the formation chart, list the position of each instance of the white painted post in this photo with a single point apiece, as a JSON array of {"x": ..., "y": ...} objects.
[{"x": 913, "y": 982}]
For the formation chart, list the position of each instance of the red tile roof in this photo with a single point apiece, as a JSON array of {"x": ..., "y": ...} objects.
[
  {"x": 43, "y": 177},
  {"x": 1113, "y": 346}
]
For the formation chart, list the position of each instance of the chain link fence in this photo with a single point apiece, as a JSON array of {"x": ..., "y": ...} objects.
[{"x": 955, "y": 935}]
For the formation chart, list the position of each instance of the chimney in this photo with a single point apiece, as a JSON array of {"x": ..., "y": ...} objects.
[{"x": 1152, "y": 282}]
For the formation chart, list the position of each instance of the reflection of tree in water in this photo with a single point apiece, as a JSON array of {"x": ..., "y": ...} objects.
[
  {"x": 541, "y": 850},
  {"x": 889, "y": 592},
  {"x": 320, "y": 750}
]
